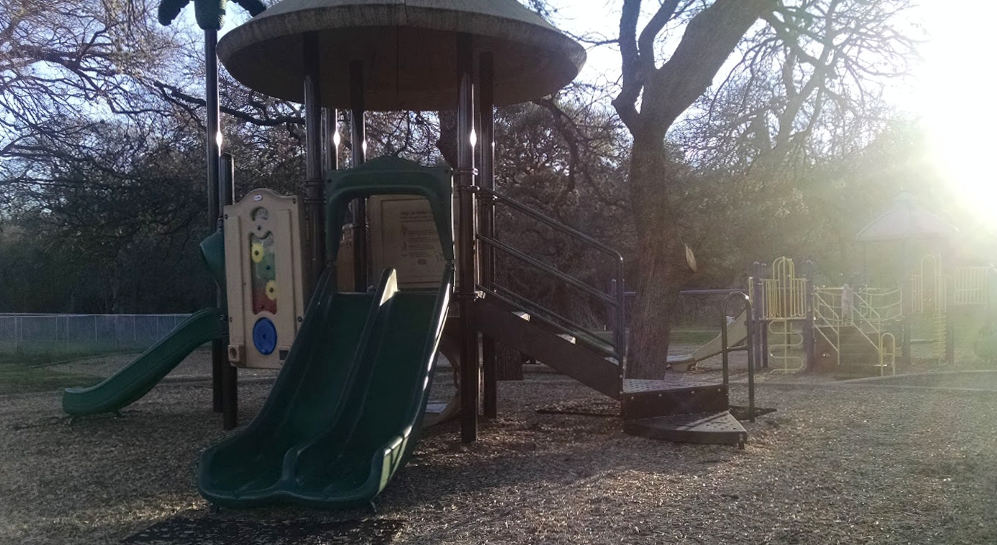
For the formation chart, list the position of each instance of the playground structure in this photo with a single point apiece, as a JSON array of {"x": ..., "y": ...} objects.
[
  {"x": 357, "y": 363},
  {"x": 796, "y": 325}
]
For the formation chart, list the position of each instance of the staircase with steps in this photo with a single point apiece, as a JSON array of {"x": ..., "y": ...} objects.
[
  {"x": 675, "y": 409},
  {"x": 857, "y": 342}
]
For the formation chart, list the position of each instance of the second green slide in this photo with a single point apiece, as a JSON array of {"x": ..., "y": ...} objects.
[{"x": 138, "y": 377}]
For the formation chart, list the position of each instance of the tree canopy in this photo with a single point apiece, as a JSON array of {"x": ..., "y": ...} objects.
[{"x": 743, "y": 129}]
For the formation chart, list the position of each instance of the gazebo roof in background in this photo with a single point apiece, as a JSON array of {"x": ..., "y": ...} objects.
[
  {"x": 905, "y": 220},
  {"x": 408, "y": 49}
]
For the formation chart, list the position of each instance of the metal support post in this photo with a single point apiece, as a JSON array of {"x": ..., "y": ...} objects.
[
  {"x": 359, "y": 153},
  {"x": 330, "y": 157},
  {"x": 762, "y": 361},
  {"x": 314, "y": 209},
  {"x": 330, "y": 140},
  {"x": 486, "y": 216},
  {"x": 213, "y": 141},
  {"x": 465, "y": 293},
  {"x": 725, "y": 350},
  {"x": 230, "y": 373},
  {"x": 809, "y": 339}
]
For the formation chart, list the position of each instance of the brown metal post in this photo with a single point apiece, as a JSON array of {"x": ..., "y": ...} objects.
[
  {"x": 230, "y": 373},
  {"x": 314, "y": 211},
  {"x": 213, "y": 150},
  {"x": 486, "y": 215},
  {"x": 358, "y": 139},
  {"x": 465, "y": 292}
]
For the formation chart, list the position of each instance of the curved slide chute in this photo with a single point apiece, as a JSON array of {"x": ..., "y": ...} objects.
[
  {"x": 135, "y": 380},
  {"x": 737, "y": 332},
  {"x": 346, "y": 410}
]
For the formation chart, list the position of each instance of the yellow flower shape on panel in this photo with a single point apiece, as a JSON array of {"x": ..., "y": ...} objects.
[
  {"x": 256, "y": 252},
  {"x": 272, "y": 290}
]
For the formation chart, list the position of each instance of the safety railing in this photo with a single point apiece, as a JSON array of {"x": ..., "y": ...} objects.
[
  {"x": 931, "y": 299},
  {"x": 616, "y": 347},
  {"x": 970, "y": 285},
  {"x": 785, "y": 298},
  {"x": 827, "y": 320},
  {"x": 887, "y": 353},
  {"x": 726, "y": 349},
  {"x": 887, "y": 304},
  {"x": 866, "y": 319}
]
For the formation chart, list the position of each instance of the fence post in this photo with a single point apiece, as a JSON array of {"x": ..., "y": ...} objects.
[{"x": 809, "y": 339}]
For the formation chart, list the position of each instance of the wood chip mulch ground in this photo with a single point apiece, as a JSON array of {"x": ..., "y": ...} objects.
[{"x": 832, "y": 465}]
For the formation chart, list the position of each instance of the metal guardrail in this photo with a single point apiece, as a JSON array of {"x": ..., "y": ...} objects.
[
  {"x": 748, "y": 347},
  {"x": 616, "y": 301}
]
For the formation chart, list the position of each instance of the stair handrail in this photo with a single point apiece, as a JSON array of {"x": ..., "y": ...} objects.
[
  {"x": 863, "y": 319},
  {"x": 883, "y": 353},
  {"x": 749, "y": 339},
  {"x": 617, "y": 301},
  {"x": 832, "y": 322},
  {"x": 879, "y": 299}
]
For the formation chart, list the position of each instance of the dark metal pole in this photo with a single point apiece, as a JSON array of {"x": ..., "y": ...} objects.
[
  {"x": 213, "y": 137},
  {"x": 486, "y": 216},
  {"x": 757, "y": 309},
  {"x": 330, "y": 159},
  {"x": 908, "y": 304},
  {"x": 230, "y": 373},
  {"x": 465, "y": 293},
  {"x": 359, "y": 140},
  {"x": 330, "y": 137},
  {"x": 749, "y": 348},
  {"x": 763, "y": 331},
  {"x": 314, "y": 212}
]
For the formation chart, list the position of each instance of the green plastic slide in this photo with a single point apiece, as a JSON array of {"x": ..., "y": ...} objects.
[
  {"x": 345, "y": 411},
  {"x": 138, "y": 377}
]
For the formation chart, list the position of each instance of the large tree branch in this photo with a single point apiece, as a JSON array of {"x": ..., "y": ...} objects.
[{"x": 710, "y": 38}]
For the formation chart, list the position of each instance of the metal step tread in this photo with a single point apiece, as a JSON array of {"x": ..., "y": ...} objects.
[
  {"x": 715, "y": 428},
  {"x": 672, "y": 381}
]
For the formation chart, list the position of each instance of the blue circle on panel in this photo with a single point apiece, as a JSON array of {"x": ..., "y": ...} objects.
[{"x": 265, "y": 336}]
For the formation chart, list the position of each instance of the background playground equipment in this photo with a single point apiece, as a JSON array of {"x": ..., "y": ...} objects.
[
  {"x": 858, "y": 329},
  {"x": 942, "y": 294},
  {"x": 795, "y": 326}
]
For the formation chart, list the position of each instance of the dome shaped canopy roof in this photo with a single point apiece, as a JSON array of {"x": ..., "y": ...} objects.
[
  {"x": 408, "y": 50},
  {"x": 905, "y": 220}
]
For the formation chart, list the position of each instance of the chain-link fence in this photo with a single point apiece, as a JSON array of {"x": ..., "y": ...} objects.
[{"x": 60, "y": 336}]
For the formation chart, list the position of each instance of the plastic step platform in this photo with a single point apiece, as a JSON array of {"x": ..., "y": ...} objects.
[{"x": 714, "y": 428}]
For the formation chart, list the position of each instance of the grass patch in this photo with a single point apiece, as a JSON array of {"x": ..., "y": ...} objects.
[
  {"x": 692, "y": 336},
  {"x": 44, "y": 353},
  {"x": 16, "y": 379}
]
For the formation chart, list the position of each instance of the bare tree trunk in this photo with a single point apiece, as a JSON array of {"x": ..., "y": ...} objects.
[
  {"x": 664, "y": 93},
  {"x": 662, "y": 265}
]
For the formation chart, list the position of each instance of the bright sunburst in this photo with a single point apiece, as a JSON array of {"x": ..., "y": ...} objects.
[{"x": 958, "y": 99}]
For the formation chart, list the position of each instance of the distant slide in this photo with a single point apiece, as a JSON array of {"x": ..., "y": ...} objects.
[
  {"x": 737, "y": 332},
  {"x": 138, "y": 377},
  {"x": 346, "y": 410}
]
